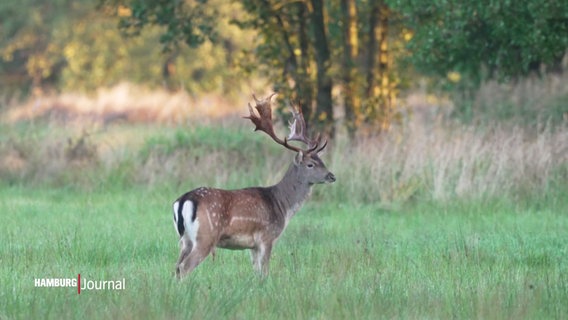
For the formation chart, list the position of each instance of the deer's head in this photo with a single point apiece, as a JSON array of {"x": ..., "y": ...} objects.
[
  {"x": 306, "y": 161},
  {"x": 312, "y": 168}
]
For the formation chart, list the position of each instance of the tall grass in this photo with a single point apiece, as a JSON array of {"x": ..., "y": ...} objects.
[
  {"x": 124, "y": 102},
  {"x": 461, "y": 162},
  {"x": 407, "y": 165},
  {"x": 528, "y": 102}
]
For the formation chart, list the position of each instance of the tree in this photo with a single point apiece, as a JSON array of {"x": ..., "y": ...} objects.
[
  {"x": 58, "y": 45},
  {"x": 28, "y": 56},
  {"x": 480, "y": 39},
  {"x": 292, "y": 38},
  {"x": 302, "y": 46}
]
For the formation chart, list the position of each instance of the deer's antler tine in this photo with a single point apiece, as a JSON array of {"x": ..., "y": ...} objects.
[
  {"x": 317, "y": 140},
  {"x": 252, "y": 117},
  {"x": 251, "y": 112},
  {"x": 298, "y": 127},
  {"x": 255, "y": 99},
  {"x": 314, "y": 144},
  {"x": 320, "y": 149}
]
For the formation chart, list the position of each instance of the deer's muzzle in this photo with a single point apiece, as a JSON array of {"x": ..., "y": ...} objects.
[{"x": 330, "y": 178}]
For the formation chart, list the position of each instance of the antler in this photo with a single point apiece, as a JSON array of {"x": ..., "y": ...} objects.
[
  {"x": 298, "y": 128},
  {"x": 298, "y": 131}
]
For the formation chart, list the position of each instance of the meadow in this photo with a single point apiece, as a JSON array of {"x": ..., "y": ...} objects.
[
  {"x": 424, "y": 222},
  {"x": 489, "y": 260}
]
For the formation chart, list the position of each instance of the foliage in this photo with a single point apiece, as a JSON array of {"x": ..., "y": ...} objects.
[
  {"x": 28, "y": 51},
  {"x": 73, "y": 46},
  {"x": 300, "y": 47},
  {"x": 485, "y": 39},
  {"x": 364, "y": 52},
  {"x": 190, "y": 22}
]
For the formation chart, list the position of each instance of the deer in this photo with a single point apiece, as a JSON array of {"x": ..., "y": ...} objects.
[{"x": 251, "y": 218}]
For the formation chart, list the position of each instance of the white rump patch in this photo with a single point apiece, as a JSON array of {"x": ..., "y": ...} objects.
[{"x": 176, "y": 207}]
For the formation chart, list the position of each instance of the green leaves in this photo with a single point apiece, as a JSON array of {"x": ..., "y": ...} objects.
[
  {"x": 506, "y": 38},
  {"x": 184, "y": 21}
]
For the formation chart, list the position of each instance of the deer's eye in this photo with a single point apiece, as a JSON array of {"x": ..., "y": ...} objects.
[{"x": 310, "y": 165}]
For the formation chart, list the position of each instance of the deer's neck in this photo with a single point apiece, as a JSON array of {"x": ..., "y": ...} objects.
[{"x": 291, "y": 192}]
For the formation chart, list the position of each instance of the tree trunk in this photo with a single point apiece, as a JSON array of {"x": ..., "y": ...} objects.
[
  {"x": 304, "y": 88},
  {"x": 324, "y": 109},
  {"x": 350, "y": 48},
  {"x": 169, "y": 72},
  {"x": 385, "y": 93},
  {"x": 372, "y": 49}
]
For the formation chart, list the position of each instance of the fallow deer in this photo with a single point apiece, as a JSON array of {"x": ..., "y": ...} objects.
[{"x": 251, "y": 218}]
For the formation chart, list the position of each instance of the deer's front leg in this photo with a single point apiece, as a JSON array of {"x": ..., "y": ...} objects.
[{"x": 261, "y": 258}]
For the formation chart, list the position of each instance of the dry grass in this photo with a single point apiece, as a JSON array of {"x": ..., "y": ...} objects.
[
  {"x": 531, "y": 101},
  {"x": 417, "y": 163},
  {"x": 453, "y": 162},
  {"x": 428, "y": 157},
  {"x": 124, "y": 103}
]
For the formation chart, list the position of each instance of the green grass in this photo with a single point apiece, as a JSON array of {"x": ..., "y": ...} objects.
[
  {"x": 488, "y": 259},
  {"x": 448, "y": 223}
]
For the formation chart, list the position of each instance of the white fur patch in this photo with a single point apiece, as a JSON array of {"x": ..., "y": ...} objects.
[
  {"x": 191, "y": 227},
  {"x": 292, "y": 211},
  {"x": 251, "y": 219},
  {"x": 176, "y": 206}
]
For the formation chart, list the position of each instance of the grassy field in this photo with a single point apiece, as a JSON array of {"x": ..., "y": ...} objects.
[
  {"x": 489, "y": 260},
  {"x": 420, "y": 224}
]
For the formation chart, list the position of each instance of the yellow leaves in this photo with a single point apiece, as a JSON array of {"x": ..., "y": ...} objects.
[
  {"x": 407, "y": 34},
  {"x": 25, "y": 39},
  {"x": 123, "y": 11},
  {"x": 70, "y": 50},
  {"x": 38, "y": 66},
  {"x": 453, "y": 76},
  {"x": 352, "y": 28},
  {"x": 7, "y": 55}
]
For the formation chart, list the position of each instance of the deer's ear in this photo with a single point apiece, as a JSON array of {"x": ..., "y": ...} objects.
[{"x": 299, "y": 157}]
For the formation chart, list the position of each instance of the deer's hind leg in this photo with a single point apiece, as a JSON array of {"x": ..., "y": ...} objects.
[
  {"x": 190, "y": 261},
  {"x": 185, "y": 248},
  {"x": 203, "y": 243}
]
